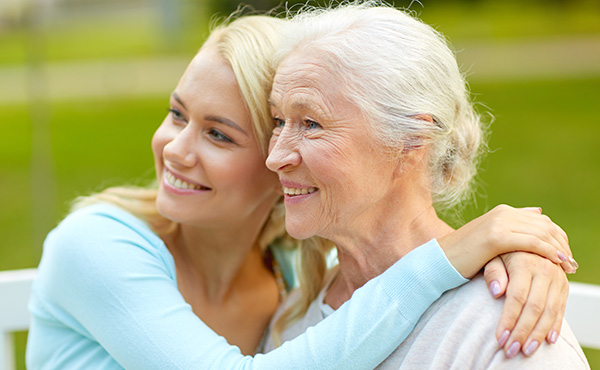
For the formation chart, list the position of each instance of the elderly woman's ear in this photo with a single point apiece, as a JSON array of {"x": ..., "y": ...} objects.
[
  {"x": 424, "y": 117},
  {"x": 418, "y": 142},
  {"x": 414, "y": 150}
]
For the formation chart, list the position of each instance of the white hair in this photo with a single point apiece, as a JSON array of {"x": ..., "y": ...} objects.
[{"x": 394, "y": 67}]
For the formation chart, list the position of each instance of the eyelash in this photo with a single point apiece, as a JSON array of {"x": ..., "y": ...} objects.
[
  {"x": 215, "y": 134},
  {"x": 308, "y": 123},
  {"x": 177, "y": 115},
  {"x": 278, "y": 122},
  {"x": 219, "y": 136}
]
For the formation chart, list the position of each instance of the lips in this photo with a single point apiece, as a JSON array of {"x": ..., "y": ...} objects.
[
  {"x": 292, "y": 192},
  {"x": 294, "y": 189},
  {"x": 183, "y": 184}
]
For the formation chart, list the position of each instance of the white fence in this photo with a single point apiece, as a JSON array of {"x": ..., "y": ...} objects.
[{"x": 583, "y": 311}]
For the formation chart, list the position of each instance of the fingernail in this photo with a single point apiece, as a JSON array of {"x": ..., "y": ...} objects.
[
  {"x": 531, "y": 347},
  {"x": 495, "y": 288},
  {"x": 553, "y": 336},
  {"x": 513, "y": 349},
  {"x": 503, "y": 338},
  {"x": 561, "y": 256},
  {"x": 573, "y": 263}
]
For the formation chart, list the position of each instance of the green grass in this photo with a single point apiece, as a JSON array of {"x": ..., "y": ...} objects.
[
  {"x": 115, "y": 34},
  {"x": 510, "y": 20}
]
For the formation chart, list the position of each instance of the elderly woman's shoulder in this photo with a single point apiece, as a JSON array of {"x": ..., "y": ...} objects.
[
  {"x": 467, "y": 316},
  {"x": 458, "y": 331}
]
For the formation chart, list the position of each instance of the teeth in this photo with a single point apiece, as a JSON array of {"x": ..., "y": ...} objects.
[
  {"x": 299, "y": 191},
  {"x": 180, "y": 184}
]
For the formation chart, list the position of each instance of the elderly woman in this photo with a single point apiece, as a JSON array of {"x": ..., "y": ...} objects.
[{"x": 374, "y": 128}]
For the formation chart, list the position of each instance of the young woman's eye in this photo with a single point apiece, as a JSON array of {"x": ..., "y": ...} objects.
[
  {"x": 218, "y": 136},
  {"x": 311, "y": 125},
  {"x": 177, "y": 115}
]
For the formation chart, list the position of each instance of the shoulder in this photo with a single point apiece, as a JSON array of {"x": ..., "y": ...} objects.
[
  {"x": 96, "y": 242},
  {"x": 468, "y": 311},
  {"x": 98, "y": 218},
  {"x": 100, "y": 226},
  {"x": 458, "y": 331}
]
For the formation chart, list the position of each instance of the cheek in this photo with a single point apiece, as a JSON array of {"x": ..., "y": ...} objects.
[
  {"x": 272, "y": 142},
  {"x": 258, "y": 177},
  {"x": 159, "y": 140},
  {"x": 161, "y": 136},
  {"x": 327, "y": 162}
]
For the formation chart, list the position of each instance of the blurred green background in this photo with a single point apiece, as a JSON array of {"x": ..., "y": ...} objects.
[{"x": 84, "y": 83}]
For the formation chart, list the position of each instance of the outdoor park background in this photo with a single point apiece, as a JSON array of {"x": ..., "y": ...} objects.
[{"x": 84, "y": 83}]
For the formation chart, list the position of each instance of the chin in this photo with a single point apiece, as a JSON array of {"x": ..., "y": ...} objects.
[
  {"x": 166, "y": 209},
  {"x": 298, "y": 230}
]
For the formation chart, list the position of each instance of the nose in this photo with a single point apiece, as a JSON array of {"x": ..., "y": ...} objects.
[
  {"x": 283, "y": 150},
  {"x": 180, "y": 150}
]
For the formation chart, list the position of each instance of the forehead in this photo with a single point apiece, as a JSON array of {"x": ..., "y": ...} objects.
[
  {"x": 304, "y": 83},
  {"x": 304, "y": 77},
  {"x": 208, "y": 76}
]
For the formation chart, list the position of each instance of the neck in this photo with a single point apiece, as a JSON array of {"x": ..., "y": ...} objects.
[
  {"x": 393, "y": 229},
  {"x": 214, "y": 261}
]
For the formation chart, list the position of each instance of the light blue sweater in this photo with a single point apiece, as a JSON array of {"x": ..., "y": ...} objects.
[{"x": 106, "y": 297}]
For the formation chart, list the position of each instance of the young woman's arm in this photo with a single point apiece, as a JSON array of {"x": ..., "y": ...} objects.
[{"x": 106, "y": 297}]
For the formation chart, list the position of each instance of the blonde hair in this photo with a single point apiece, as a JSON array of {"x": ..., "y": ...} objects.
[{"x": 247, "y": 44}]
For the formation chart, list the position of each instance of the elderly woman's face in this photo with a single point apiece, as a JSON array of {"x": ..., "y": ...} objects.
[{"x": 329, "y": 163}]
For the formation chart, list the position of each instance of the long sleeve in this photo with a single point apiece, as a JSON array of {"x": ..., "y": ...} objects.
[{"x": 106, "y": 297}]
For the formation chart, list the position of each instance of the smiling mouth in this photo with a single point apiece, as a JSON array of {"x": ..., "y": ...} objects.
[
  {"x": 292, "y": 192},
  {"x": 182, "y": 184}
]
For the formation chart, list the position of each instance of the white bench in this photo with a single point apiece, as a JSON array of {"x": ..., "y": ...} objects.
[
  {"x": 583, "y": 311},
  {"x": 15, "y": 287}
]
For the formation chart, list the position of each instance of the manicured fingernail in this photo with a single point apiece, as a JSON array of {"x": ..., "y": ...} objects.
[
  {"x": 503, "y": 338},
  {"x": 513, "y": 349},
  {"x": 531, "y": 347},
  {"x": 495, "y": 288},
  {"x": 573, "y": 263},
  {"x": 553, "y": 336},
  {"x": 561, "y": 256}
]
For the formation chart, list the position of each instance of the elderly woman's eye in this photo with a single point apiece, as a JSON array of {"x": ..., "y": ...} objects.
[
  {"x": 278, "y": 122},
  {"x": 312, "y": 125}
]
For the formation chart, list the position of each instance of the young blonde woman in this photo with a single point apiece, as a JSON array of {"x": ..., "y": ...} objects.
[{"x": 187, "y": 274}]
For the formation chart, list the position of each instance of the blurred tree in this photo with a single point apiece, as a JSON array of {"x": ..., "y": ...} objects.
[{"x": 224, "y": 7}]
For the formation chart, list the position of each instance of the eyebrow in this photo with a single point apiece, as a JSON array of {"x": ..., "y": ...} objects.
[
  {"x": 226, "y": 122},
  {"x": 301, "y": 104},
  {"x": 177, "y": 98},
  {"x": 210, "y": 117}
]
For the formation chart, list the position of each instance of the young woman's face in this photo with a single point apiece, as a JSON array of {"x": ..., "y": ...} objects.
[{"x": 209, "y": 165}]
